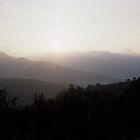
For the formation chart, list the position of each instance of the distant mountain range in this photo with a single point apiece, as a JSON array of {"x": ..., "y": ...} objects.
[
  {"x": 47, "y": 71},
  {"x": 50, "y": 74},
  {"x": 106, "y": 63}
]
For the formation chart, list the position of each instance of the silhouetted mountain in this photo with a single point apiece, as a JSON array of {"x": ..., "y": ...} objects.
[
  {"x": 106, "y": 63},
  {"x": 24, "y": 68}
]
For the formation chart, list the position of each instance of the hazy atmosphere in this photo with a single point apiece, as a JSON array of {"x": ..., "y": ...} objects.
[
  {"x": 69, "y": 69},
  {"x": 31, "y": 26}
]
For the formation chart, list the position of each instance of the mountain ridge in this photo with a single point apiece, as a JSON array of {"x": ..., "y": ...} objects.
[
  {"x": 106, "y": 63},
  {"x": 46, "y": 71}
]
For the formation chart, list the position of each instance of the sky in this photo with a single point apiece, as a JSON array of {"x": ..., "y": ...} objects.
[{"x": 31, "y": 26}]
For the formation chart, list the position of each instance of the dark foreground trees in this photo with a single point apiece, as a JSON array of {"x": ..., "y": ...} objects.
[{"x": 96, "y": 112}]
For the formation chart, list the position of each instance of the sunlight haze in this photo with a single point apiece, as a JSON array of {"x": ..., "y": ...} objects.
[{"x": 32, "y": 26}]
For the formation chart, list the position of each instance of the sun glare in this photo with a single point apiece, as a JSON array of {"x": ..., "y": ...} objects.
[
  {"x": 58, "y": 40},
  {"x": 56, "y": 45}
]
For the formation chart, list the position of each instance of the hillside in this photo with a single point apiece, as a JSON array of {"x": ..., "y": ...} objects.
[
  {"x": 25, "y": 89},
  {"x": 77, "y": 113}
]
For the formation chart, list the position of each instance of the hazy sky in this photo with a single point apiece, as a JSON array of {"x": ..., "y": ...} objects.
[{"x": 41, "y": 25}]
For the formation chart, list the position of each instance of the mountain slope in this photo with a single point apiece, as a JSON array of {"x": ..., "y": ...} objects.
[
  {"x": 24, "y": 68},
  {"x": 106, "y": 63}
]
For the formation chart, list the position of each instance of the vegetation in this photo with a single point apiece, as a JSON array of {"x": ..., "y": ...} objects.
[{"x": 109, "y": 112}]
